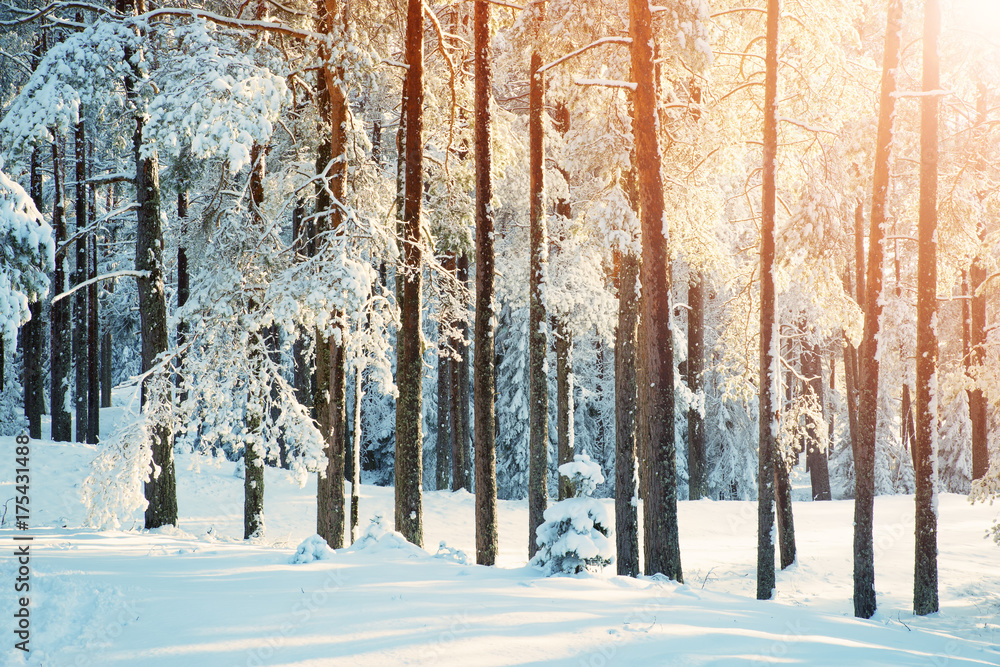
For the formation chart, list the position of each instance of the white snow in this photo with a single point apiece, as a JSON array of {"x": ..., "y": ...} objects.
[{"x": 199, "y": 595}]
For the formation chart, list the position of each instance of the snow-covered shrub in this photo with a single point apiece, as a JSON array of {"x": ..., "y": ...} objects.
[
  {"x": 313, "y": 548},
  {"x": 576, "y": 533}
]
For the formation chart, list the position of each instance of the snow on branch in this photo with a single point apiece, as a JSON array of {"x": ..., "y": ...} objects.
[
  {"x": 609, "y": 83},
  {"x": 106, "y": 276},
  {"x": 805, "y": 126},
  {"x": 899, "y": 94},
  {"x": 603, "y": 40}
]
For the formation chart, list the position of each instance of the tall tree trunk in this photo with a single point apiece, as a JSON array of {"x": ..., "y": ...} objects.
[
  {"x": 301, "y": 372},
  {"x": 161, "y": 489},
  {"x": 81, "y": 331},
  {"x": 444, "y": 422},
  {"x": 538, "y": 345},
  {"x": 564, "y": 401},
  {"x": 409, "y": 443},
  {"x": 783, "y": 494},
  {"x": 183, "y": 288},
  {"x": 925, "y": 579},
  {"x": 816, "y": 454},
  {"x": 977, "y": 335},
  {"x": 93, "y": 350},
  {"x": 356, "y": 460},
  {"x": 60, "y": 338},
  {"x": 331, "y": 377},
  {"x": 460, "y": 388},
  {"x": 769, "y": 345},
  {"x": 656, "y": 390},
  {"x": 106, "y": 374},
  {"x": 695, "y": 368},
  {"x": 868, "y": 366},
  {"x": 34, "y": 381},
  {"x": 484, "y": 380},
  {"x": 626, "y": 498}
]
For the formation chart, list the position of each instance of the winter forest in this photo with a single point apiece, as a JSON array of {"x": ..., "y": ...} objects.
[{"x": 573, "y": 289}]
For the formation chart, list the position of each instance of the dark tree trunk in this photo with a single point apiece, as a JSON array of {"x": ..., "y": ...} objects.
[
  {"x": 626, "y": 497},
  {"x": 783, "y": 506},
  {"x": 868, "y": 366},
  {"x": 484, "y": 376},
  {"x": 60, "y": 337},
  {"x": 331, "y": 388},
  {"x": 925, "y": 579},
  {"x": 409, "y": 443},
  {"x": 656, "y": 390},
  {"x": 977, "y": 337},
  {"x": 161, "y": 490},
  {"x": 768, "y": 327},
  {"x": 106, "y": 374},
  {"x": 444, "y": 424},
  {"x": 461, "y": 386},
  {"x": 93, "y": 351},
  {"x": 356, "y": 460},
  {"x": 80, "y": 317},
  {"x": 564, "y": 401},
  {"x": 695, "y": 368},
  {"x": 302, "y": 373},
  {"x": 538, "y": 396},
  {"x": 459, "y": 454},
  {"x": 816, "y": 454},
  {"x": 33, "y": 336}
]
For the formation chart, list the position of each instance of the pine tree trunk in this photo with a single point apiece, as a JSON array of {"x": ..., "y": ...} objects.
[
  {"x": 816, "y": 455},
  {"x": 444, "y": 414},
  {"x": 768, "y": 327},
  {"x": 34, "y": 380},
  {"x": 459, "y": 454},
  {"x": 538, "y": 396},
  {"x": 81, "y": 331},
  {"x": 977, "y": 337},
  {"x": 925, "y": 579},
  {"x": 409, "y": 443},
  {"x": 484, "y": 374},
  {"x": 60, "y": 336},
  {"x": 656, "y": 390},
  {"x": 106, "y": 375},
  {"x": 868, "y": 366},
  {"x": 695, "y": 368},
  {"x": 564, "y": 401},
  {"x": 462, "y": 386},
  {"x": 356, "y": 461},
  {"x": 626, "y": 496},
  {"x": 161, "y": 490},
  {"x": 93, "y": 350},
  {"x": 331, "y": 378}
]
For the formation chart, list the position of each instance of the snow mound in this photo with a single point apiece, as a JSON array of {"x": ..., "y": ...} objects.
[
  {"x": 585, "y": 475},
  {"x": 313, "y": 548},
  {"x": 445, "y": 552},
  {"x": 378, "y": 538}
]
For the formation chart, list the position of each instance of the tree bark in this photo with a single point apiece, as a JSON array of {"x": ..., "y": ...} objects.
[
  {"x": 538, "y": 392},
  {"x": 34, "y": 381},
  {"x": 62, "y": 425},
  {"x": 977, "y": 336},
  {"x": 816, "y": 455},
  {"x": 484, "y": 380},
  {"x": 444, "y": 420},
  {"x": 81, "y": 332},
  {"x": 564, "y": 402},
  {"x": 93, "y": 349},
  {"x": 868, "y": 366},
  {"x": 356, "y": 460},
  {"x": 409, "y": 443},
  {"x": 925, "y": 579},
  {"x": 768, "y": 329},
  {"x": 695, "y": 368},
  {"x": 656, "y": 392},
  {"x": 106, "y": 374},
  {"x": 626, "y": 496}
]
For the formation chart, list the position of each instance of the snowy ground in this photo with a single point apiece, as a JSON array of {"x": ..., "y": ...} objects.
[{"x": 198, "y": 595}]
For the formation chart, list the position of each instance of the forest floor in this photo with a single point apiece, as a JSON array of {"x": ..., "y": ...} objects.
[{"x": 199, "y": 595}]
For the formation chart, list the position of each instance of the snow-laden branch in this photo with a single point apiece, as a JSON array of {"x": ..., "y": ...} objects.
[
  {"x": 609, "y": 83},
  {"x": 106, "y": 276},
  {"x": 603, "y": 40},
  {"x": 51, "y": 7},
  {"x": 899, "y": 94},
  {"x": 806, "y": 126}
]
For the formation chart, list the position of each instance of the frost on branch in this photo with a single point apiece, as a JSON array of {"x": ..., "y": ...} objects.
[
  {"x": 27, "y": 251},
  {"x": 84, "y": 70},
  {"x": 576, "y": 533},
  {"x": 215, "y": 99}
]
